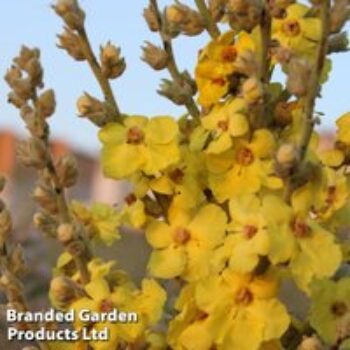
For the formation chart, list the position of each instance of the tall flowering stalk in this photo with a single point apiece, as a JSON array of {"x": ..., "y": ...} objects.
[{"x": 236, "y": 198}]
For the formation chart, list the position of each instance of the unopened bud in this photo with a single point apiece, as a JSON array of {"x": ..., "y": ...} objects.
[
  {"x": 63, "y": 292},
  {"x": 14, "y": 99},
  {"x": 278, "y": 7},
  {"x": 45, "y": 223},
  {"x": 46, "y": 103},
  {"x": 252, "y": 91},
  {"x": 5, "y": 225},
  {"x": 32, "y": 153},
  {"x": 311, "y": 343},
  {"x": 17, "y": 259},
  {"x": 65, "y": 233},
  {"x": 343, "y": 327},
  {"x": 338, "y": 43},
  {"x": 71, "y": 13},
  {"x": 283, "y": 113},
  {"x": 67, "y": 170},
  {"x": 71, "y": 42},
  {"x": 13, "y": 74},
  {"x": 156, "y": 57},
  {"x": 174, "y": 92},
  {"x": 246, "y": 63},
  {"x": 282, "y": 55},
  {"x": 299, "y": 72},
  {"x": 92, "y": 108},
  {"x": 340, "y": 13},
  {"x": 189, "y": 21},
  {"x": 217, "y": 9},
  {"x": 25, "y": 56},
  {"x": 150, "y": 15},
  {"x": 112, "y": 64},
  {"x": 46, "y": 198},
  {"x": 23, "y": 88},
  {"x": 287, "y": 155},
  {"x": 35, "y": 72}
]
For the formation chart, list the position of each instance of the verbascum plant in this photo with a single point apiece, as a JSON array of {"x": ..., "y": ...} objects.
[{"x": 235, "y": 198}]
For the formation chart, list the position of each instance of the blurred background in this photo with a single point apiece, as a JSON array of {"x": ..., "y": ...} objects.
[{"x": 33, "y": 23}]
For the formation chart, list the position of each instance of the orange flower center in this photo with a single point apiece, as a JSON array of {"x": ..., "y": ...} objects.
[
  {"x": 219, "y": 81},
  {"x": 229, "y": 53},
  {"x": 223, "y": 125},
  {"x": 106, "y": 306},
  {"x": 300, "y": 228},
  {"x": 250, "y": 231},
  {"x": 130, "y": 199},
  {"x": 244, "y": 296},
  {"x": 339, "y": 309},
  {"x": 177, "y": 175},
  {"x": 245, "y": 157},
  {"x": 135, "y": 135},
  {"x": 291, "y": 27},
  {"x": 182, "y": 236}
]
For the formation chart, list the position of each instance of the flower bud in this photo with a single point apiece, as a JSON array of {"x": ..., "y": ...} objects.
[
  {"x": 71, "y": 13},
  {"x": 217, "y": 9},
  {"x": 150, "y": 15},
  {"x": 14, "y": 99},
  {"x": 112, "y": 64},
  {"x": 35, "y": 72},
  {"x": 71, "y": 42},
  {"x": 13, "y": 74},
  {"x": 338, "y": 43},
  {"x": 252, "y": 91},
  {"x": 46, "y": 198},
  {"x": 287, "y": 156},
  {"x": 174, "y": 92},
  {"x": 46, "y": 103},
  {"x": 17, "y": 260},
  {"x": 63, "y": 292},
  {"x": 311, "y": 343},
  {"x": 5, "y": 225},
  {"x": 25, "y": 56},
  {"x": 91, "y": 108},
  {"x": 189, "y": 21},
  {"x": 23, "y": 88},
  {"x": 246, "y": 63},
  {"x": 278, "y": 7},
  {"x": 32, "y": 153},
  {"x": 156, "y": 57},
  {"x": 65, "y": 233},
  {"x": 340, "y": 14},
  {"x": 45, "y": 223},
  {"x": 67, "y": 170},
  {"x": 283, "y": 113},
  {"x": 299, "y": 72}
]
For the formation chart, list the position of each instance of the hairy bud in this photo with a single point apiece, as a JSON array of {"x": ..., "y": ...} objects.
[
  {"x": 153, "y": 55},
  {"x": 65, "y": 233},
  {"x": 150, "y": 15},
  {"x": 5, "y": 225},
  {"x": 63, "y": 292},
  {"x": 71, "y": 42},
  {"x": 46, "y": 198},
  {"x": 287, "y": 155},
  {"x": 92, "y": 108},
  {"x": 26, "y": 56},
  {"x": 35, "y": 72},
  {"x": 45, "y": 223},
  {"x": 338, "y": 43},
  {"x": 217, "y": 9},
  {"x": 283, "y": 113},
  {"x": 340, "y": 13},
  {"x": 46, "y": 103},
  {"x": 299, "y": 72},
  {"x": 32, "y": 153},
  {"x": 112, "y": 64},
  {"x": 174, "y": 92},
  {"x": 71, "y": 13},
  {"x": 252, "y": 91},
  {"x": 246, "y": 63},
  {"x": 278, "y": 7},
  {"x": 67, "y": 170},
  {"x": 310, "y": 343}
]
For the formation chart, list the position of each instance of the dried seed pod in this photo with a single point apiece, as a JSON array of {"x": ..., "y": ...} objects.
[
  {"x": 32, "y": 153},
  {"x": 71, "y": 42},
  {"x": 112, "y": 64},
  {"x": 25, "y": 56},
  {"x": 155, "y": 56},
  {"x": 46, "y": 104},
  {"x": 67, "y": 170}
]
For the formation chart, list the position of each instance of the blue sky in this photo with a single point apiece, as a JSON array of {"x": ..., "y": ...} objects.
[{"x": 33, "y": 23}]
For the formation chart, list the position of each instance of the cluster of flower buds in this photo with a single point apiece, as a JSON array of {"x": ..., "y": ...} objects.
[
  {"x": 185, "y": 19},
  {"x": 178, "y": 92},
  {"x": 299, "y": 73},
  {"x": 112, "y": 64},
  {"x": 71, "y": 13},
  {"x": 71, "y": 42},
  {"x": 154, "y": 56},
  {"x": 244, "y": 14}
]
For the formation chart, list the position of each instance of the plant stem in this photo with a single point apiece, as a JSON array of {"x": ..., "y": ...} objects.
[
  {"x": 171, "y": 64},
  {"x": 102, "y": 80},
  {"x": 313, "y": 91},
  {"x": 211, "y": 26},
  {"x": 265, "y": 59}
]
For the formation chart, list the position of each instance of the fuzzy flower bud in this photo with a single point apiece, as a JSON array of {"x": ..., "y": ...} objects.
[
  {"x": 310, "y": 343},
  {"x": 338, "y": 43},
  {"x": 299, "y": 72},
  {"x": 35, "y": 72},
  {"x": 46, "y": 198},
  {"x": 25, "y": 56},
  {"x": 153, "y": 55},
  {"x": 283, "y": 113},
  {"x": 45, "y": 223},
  {"x": 340, "y": 13},
  {"x": 287, "y": 155},
  {"x": 15, "y": 100},
  {"x": 189, "y": 21},
  {"x": 71, "y": 42},
  {"x": 252, "y": 91},
  {"x": 112, "y": 64},
  {"x": 278, "y": 7},
  {"x": 46, "y": 104},
  {"x": 71, "y": 13},
  {"x": 217, "y": 9},
  {"x": 67, "y": 170},
  {"x": 174, "y": 92},
  {"x": 92, "y": 108},
  {"x": 65, "y": 233},
  {"x": 23, "y": 88},
  {"x": 63, "y": 292},
  {"x": 5, "y": 225},
  {"x": 150, "y": 15},
  {"x": 32, "y": 153}
]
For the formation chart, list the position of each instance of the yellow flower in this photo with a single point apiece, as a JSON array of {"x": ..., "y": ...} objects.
[
  {"x": 243, "y": 315},
  {"x": 297, "y": 31},
  {"x": 139, "y": 144},
  {"x": 184, "y": 246},
  {"x": 296, "y": 239},
  {"x": 245, "y": 169},
  {"x": 133, "y": 213},
  {"x": 248, "y": 240},
  {"x": 101, "y": 220},
  {"x": 343, "y": 132},
  {"x": 216, "y": 64},
  {"x": 226, "y": 120}
]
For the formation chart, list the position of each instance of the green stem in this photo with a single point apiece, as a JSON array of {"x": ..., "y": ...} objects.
[{"x": 210, "y": 24}]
